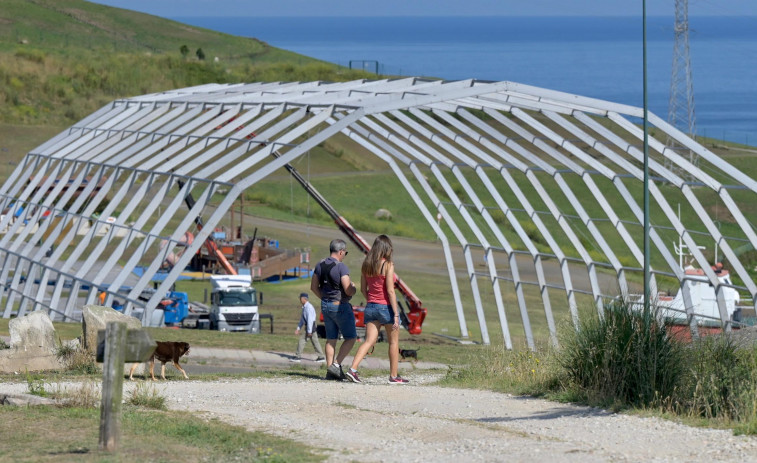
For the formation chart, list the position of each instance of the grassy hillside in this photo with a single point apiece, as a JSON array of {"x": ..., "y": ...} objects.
[
  {"x": 62, "y": 59},
  {"x": 72, "y": 25}
]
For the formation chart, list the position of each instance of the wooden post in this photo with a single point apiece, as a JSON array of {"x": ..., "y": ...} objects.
[
  {"x": 113, "y": 380},
  {"x": 115, "y": 346}
]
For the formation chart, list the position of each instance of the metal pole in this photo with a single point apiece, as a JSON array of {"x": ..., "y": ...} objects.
[{"x": 646, "y": 161}]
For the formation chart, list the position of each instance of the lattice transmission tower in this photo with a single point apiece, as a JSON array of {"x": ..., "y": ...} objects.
[{"x": 681, "y": 106}]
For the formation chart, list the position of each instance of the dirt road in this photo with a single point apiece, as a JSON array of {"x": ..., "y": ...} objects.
[{"x": 422, "y": 256}]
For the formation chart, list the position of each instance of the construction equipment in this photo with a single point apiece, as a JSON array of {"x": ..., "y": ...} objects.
[
  {"x": 210, "y": 244},
  {"x": 413, "y": 319}
]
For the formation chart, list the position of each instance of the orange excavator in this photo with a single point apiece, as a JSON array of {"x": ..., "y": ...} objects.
[
  {"x": 210, "y": 244},
  {"x": 413, "y": 317}
]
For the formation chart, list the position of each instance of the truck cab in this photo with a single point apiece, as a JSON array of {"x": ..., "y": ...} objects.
[{"x": 234, "y": 304}]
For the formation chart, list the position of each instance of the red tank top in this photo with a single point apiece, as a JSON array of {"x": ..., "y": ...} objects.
[{"x": 377, "y": 292}]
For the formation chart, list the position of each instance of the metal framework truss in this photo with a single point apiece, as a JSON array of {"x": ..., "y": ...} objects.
[{"x": 540, "y": 191}]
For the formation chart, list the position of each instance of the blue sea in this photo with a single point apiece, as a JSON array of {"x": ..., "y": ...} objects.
[{"x": 598, "y": 57}]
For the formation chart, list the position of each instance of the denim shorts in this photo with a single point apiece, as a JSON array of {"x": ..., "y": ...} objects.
[
  {"x": 338, "y": 318},
  {"x": 381, "y": 313}
]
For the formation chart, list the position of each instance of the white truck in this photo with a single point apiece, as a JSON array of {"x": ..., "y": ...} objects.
[{"x": 234, "y": 304}]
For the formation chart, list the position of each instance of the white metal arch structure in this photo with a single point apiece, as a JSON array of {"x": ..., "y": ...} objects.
[{"x": 544, "y": 186}]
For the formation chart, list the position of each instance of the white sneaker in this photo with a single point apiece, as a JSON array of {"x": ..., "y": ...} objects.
[
  {"x": 321, "y": 360},
  {"x": 295, "y": 360}
]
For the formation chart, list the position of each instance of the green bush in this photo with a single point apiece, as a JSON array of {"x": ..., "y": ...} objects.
[
  {"x": 722, "y": 380},
  {"x": 626, "y": 358}
]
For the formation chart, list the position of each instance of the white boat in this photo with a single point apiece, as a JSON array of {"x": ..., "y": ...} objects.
[{"x": 703, "y": 299}]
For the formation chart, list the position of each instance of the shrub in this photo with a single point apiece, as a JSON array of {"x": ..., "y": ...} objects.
[
  {"x": 721, "y": 380},
  {"x": 626, "y": 358},
  {"x": 146, "y": 395},
  {"x": 514, "y": 371},
  {"x": 86, "y": 396},
  {"x": 36, "y": 385},
  {"x": 77, "y": 359}
]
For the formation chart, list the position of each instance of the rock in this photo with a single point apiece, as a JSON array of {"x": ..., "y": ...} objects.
[
  {"x": 96, "y": 317},
  {"x": 33, "y": 345},
  {"x": 383, "y": 214},
  {"x": 24, "y": 400},
  {"x": 34, "y": 330}
]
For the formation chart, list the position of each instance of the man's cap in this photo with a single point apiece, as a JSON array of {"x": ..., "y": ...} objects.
[{"x": 305, "y": 295}]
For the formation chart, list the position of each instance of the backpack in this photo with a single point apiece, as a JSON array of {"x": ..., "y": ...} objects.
[{"x": 325, "y": 276}]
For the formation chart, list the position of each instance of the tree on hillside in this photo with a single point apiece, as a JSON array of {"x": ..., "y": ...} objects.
[
  {"x": 200, "y": 54},
  {"x": 184, "y": 50}
]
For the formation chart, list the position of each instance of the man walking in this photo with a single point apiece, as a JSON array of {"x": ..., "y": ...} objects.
[
  {"x": 307, "y": 319},
  {"x": 331, "y": 283}
]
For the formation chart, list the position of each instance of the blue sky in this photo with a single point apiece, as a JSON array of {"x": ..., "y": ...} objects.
[{"x": 179, "y": 8}]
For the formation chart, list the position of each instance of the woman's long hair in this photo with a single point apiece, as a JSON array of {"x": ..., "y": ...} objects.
[{"x": 381, "y": 249}]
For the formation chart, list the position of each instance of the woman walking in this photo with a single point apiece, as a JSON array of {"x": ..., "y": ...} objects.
[{"x": 377, "y": 285}]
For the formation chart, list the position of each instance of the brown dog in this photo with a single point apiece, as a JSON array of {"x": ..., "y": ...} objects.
[{"x": 166, "y": 351}]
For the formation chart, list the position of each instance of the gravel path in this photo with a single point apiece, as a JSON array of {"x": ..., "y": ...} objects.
[
  {"x": 423, "y": 422},
  {"x": 377, "y": 422},
  {"x": 382, "y": 422}
]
